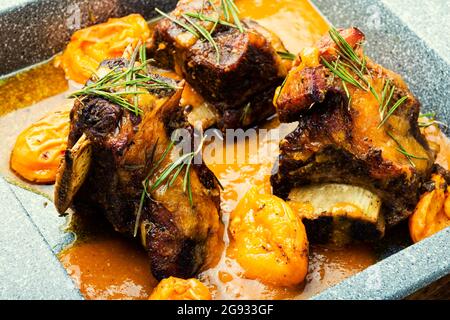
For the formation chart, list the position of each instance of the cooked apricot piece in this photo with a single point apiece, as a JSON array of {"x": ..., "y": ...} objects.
[
  {"x": 432, "y": 213},
  {"x": 180, "y": 289},
  {"x": 269, "y": 240},
  {"x": 39, "y": 148},
  {"x": 89, "y": 46}
]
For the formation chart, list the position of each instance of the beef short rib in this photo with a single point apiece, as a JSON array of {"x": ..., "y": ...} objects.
[
  {"x": 181, "y": 236},
  {"x": 239, "y": 80},
  {"x": 343, "y": 138}
]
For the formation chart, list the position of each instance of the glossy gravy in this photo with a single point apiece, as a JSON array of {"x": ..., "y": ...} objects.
[{"x": 105, "y": 265}]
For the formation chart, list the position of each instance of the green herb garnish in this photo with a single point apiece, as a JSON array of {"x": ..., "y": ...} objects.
[
  {"x": 339, "y": 70},
  {"x": 403, "y": 151},
  {"x": 202, "y": 17},
  {"x": 245, "y": 112},
  {"x": 430, "y": 120},
  {"x": 174, "y": 170},
  {"x": 119, "y": 83},
  {"x": 348, "y": 66},
  {"x": 167, "y": 176},
  {"x": 205, "y": 33},
  {"x": 385, "y": 97},
  {"x": 178, "y": 22},
  {"x": 392, "y": 110},
  {"x": 352, "y": 69},
  {"x": 228, "y": 8},
  {"x": 286, "y": 55}
]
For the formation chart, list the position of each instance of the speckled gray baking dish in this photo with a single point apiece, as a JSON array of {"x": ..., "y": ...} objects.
[{"x": 30, "y": 232}]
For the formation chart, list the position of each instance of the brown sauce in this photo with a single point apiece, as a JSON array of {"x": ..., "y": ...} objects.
[
  {"x": 105, "y": 265},
  {"x": 109, "y": 267},
  {"x": 28, "y": 87},
  {"x": 327, "y": 266}
]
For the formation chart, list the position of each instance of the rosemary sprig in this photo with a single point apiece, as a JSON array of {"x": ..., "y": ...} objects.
[
  {"x": 168, "y": 175},
  {"x": 205, "y": 33},
  {"x": 392, "y": 110},
  {"x": 351, "y": 62},
  {"x": 385, "y": 98},
  {"x": 245, "y": 112},
  {"x": 174, "y": 170},
  {"x": 146, "y": 182},
  {"x": 339, "y": 70},
  {"x": 228, "y": 8},
  {"x": 430, "y": 120},
  {"x": 202, "y": 17},
  {"x": 231, "y": 8},
  {"x": 428, "y": 115},
  {"x": 345, "y": 48},
  {"x": 286, "y": 55},
  {"x": 353, "y": 71},
  {"x": 114, "y": 97},
  {"x": 178, "y": 22},
  {"x": 131, "y": 76},
  {"x": 403, "y": 151}
]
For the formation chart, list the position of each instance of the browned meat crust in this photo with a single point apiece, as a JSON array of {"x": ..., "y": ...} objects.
[
  {"x": 249, "y": 65},
  {"x": 309, "y": 87},
  {"x": 338, "y": 140}
]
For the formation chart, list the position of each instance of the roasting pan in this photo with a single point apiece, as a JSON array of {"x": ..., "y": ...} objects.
[{"x": 411, "y": 39}]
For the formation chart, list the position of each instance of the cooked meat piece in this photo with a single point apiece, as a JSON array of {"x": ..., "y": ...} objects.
[
  {"x": 248, "y": 65},
  {"x": 345, "y": 135},
  {"x": 308, "y": 83},
  {"x": 180, "y": 235}
]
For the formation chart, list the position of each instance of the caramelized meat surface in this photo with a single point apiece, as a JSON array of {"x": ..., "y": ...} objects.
[
  {"x": 180, "y": 235},
  {"x": 243, "y": 66},
  {"x": 362, "y": 134}
]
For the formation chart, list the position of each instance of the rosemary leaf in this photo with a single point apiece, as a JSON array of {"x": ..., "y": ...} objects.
[
  {"x": 387, "y": 102},
  {"x": 392, "y": 110},
  {"x": 349, "y": 97},
  {"x": 174, "y": 177},
  {"x": 428, "y": 115},
  {"x": 245, "y": 112},
  {"x": 343, "y": 74},
  {"x": 205, "y": 33},
  {"x": 158, "y": 163},
  {"x": 430, "y": 119},
  {"x": 178, "y": 22},
  {"x": 233, "y": 9},
  {"x": 344, "y": 46},
  {"x": 383, "y": 98},
  {"x": 187, "y": 184},
  {"x": 225, "y": 10},
  {"x": 286, "y": 55},
  {"x": 403, "y": 151},
  {"x": 143, "y": 54},
  {"x": 139, "y": 211},
  {"x": 211, "y": 2},
  {"x": 210, "y": 19},
  {"x": 169, "y": 170},
  {"x": 154, "y": 20}
]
